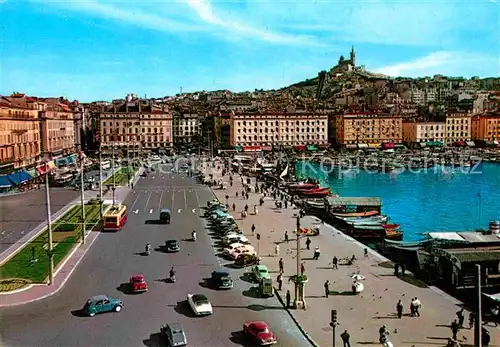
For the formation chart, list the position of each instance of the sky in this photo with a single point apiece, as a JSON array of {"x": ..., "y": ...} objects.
[{"x": 92, "y": 50}]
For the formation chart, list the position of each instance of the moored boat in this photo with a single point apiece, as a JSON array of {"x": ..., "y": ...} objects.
[
  {"x": 356, "y": 214},
  {"x": 379, "y": 218}
]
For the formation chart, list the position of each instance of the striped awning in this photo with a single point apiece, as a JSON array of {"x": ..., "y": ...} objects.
[
  {"x": 362, "y": 145},
  {"x": 470, "y": 143}
]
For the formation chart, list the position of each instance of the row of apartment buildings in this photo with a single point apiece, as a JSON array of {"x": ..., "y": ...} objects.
[
  {"x": 32, "y": 130},
  {"x": 375, "y": 129}
]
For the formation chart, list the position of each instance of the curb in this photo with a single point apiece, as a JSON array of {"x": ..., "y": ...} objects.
[
  {"x": 29, "y": 286},
  {"x": 22, "y": 243},
  {"x": 305, "y": 333},
  {"x": 61, "y": 285}
]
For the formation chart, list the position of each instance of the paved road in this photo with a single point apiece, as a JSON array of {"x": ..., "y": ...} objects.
[
  {"x": 19, "y": 214},
  {"x": 114, "y": 257}
]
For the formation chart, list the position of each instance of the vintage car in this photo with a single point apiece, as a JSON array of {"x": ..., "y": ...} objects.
[
  {"x": 174, "y": 334},
  {"x": 100, "y": 304},
  {"x": 259, "y": 332},
  {"x": 199, "y": 304},
  {"x": 234, "y": 238},
  {"x": 260, "y": 272},
  {"x": 246, "y": 259},
  {"x": 221, "y": 280},
  {"x": 172, "y": 246},
  {"x": 234, "y": 253},
  {"x": 165, "y": 216},
  {"x": 226, "y": 251},
  {"x": 138, "y": 284}
]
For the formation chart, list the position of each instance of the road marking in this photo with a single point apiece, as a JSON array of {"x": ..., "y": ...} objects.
[
  {"x": 185, "y": 200},
  {"x": 161, "y": 197},
  {"x": 179, "y": 210},
  {"x": 173, "y": 196},
  {"x": 147, "y": 202},
  {"x": 137, "y": 197},
  {"x": 151, "y": 211},
  {"x": 136, "y": 211},
  {"x": 197, "y": 198}
]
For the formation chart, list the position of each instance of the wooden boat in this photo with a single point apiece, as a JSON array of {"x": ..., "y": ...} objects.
[
  {"x": 372, "y": 222},
  {"x": 303, "y": 186},
  {"x": 321, "y": 192},
  {"x": 391, "y": 226},
  {"x": 356, "y": 214},
  {"x": 379, "y": 218},
  {"x": 404, "y": 244},
  {"x": 392, "y": 234}
]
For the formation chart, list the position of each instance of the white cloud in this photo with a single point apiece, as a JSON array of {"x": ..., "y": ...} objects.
[{"x": 444, "y": 62}]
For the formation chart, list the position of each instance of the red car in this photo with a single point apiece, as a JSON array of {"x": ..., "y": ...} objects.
[
  {"x": 259, "y": 331},
  {"x": 138, "y": 284}
]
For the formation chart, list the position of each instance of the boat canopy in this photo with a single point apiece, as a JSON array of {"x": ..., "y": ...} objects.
[
  {"x": 451, "y": 236},
  {"x": 353, "y": 201}
]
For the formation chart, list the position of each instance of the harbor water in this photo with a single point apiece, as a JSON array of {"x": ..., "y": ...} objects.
[{"x": 422, "y": 201}]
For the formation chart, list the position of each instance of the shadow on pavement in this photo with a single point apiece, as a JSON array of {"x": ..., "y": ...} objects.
[
  {"x": 255, "y": 307},
  {"x": 344, "y": 293},
  {"x": 187, "y": 240},
  {"x": 155, "y": 340},
  {"x": 153, "y": 221},
  {"x": 253, "y": 292},
  {"x": 184, "y": 309},
  {"x": 238, "y": 338},
  {"x": 231, "y": 266},
  {"x": 142, "y": 254},
  {"x": 246, "y": 278},
  {"x": 125, "y": 289},
  {"x": 78, "y": 313},
  {"x": 205, "y": 284}
]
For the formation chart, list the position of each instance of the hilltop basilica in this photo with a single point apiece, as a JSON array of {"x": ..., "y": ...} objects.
[{"x": 345, "y": 64}]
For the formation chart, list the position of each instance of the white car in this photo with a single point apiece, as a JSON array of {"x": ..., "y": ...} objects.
[
  {"x": 231, "y": 248},
  {"x": 235, "y": 239},
  {"x": 199, "y": 304}
]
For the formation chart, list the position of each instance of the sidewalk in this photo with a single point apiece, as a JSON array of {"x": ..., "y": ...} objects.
[
  {"x": 361, "y": 315},
  {"x": 64, "y": 270}
]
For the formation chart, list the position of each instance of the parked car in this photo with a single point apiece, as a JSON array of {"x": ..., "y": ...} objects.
[
  {"x": 221, "y": 280},
  {"x": 246, "y": 259},
  {"x": 174, "y": 334},
  {"x": 241, "y": 250},
  {"x": 100, "y": 304},
  {"x": 138, "y": 283},
  {"x": 199, "y": 304},
  {"x": 260, "y": 333},
  {"x": 226, "y": 251},
  {"x": 260, "y": 272},
  {"x": 227, "y": 240},
  {"x": 172, "y": 246}
]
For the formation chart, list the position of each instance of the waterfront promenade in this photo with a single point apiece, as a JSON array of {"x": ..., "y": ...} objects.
[{"x": 361, "y": 315}]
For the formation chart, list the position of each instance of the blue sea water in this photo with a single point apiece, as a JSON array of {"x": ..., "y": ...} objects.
[{"x": 437, "y": 199}]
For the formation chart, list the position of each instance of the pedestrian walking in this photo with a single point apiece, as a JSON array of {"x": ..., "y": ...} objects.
[
  {"x": 418, "y": 305},
  {"x": 288, "y": 298},
  {"x": 455, "y": 327},
  {"x": 327, "y": 288},
  {"x": 316, "y": 253},
  {"x": 286, "y": 236},
  {"x": 412, "y": 307},
  {"x": 485, "y": 337},
  {"x": 286, "y": 203},
  {"x": 234, "y": 207},
  {"x": 237, "y": 194},
  {"x": 461, "y": 317},
  {"x": 302, "y": 268},
  {"x": 345, "y": 338},
  {"x": 335, "y": 263},
  {"x": 366, "y": 252},
  {"x": 246, "y": 208},
  {"x": 281, "y": 265},
  {"x": 399, "y": 309},
  {"x": 276, "y": 250},
  {"x": 253, "y": 229},
  {"x": 472, "y": 318},
  {"x": 308, "y": 243},
  {"x": 280, "y": 281}
]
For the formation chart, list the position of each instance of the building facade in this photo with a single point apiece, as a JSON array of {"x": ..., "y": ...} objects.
[
  {"x": 458, "y": 127},
  {"x": 368, "y": 130},
  {"x": 486, "y": 127},
  {"x": 57, "y": 129},
  {"x": 134, "y": 128},
  {"x": 280, "y": 129},
  {"x": 187, "y": 128},
  {"x": 415, "y": 132},
  {"x": 19, "y": 133}
]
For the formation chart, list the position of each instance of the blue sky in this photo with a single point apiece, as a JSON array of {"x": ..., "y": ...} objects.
[{"x": 100, "y": 49}]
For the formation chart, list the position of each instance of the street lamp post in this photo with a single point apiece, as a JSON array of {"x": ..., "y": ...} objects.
[
  {"x": 82, "y": 197},
  {"x": 477, "y": 329},
  {"x": 101, "y": 199},
  {"x": 50, "y": 251},
  {"x": 113, "y": 170},
  {"x": 297, "y": 281}
]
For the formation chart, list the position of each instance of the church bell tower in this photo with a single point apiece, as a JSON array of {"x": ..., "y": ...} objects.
[{"x": 353, "y": 57}]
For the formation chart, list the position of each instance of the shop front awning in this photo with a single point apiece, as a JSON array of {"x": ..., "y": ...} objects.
[
  {"x": 44, "y": 168},
  {"x": 252, "y": 148},
  {"x": 267, "y": 148},
  {"x": 61, "y": 162},
  {"x": 362, "y": 145},
  {"x": 495, "y": 143},
  {"x": 72, "y": 159},
  {"x": 399, "y": 145},
  {"x": 300, "y": 148},
  {"x": 388, "y": 145},
  {"x": 470, "y": 143},
  {"x": 32, "y": 173},
  {"x": 422, "y": 144},
  {"x": 312, "y": 148},
  {"x": 460, "y": 144},
  {"x": 19, "y": 177},
  {"x": 5, "y": 182},
  {"x": 351, "y": 146},
  {"x": 434, "y": 144},
  {"x": 238, "y": 148},
  {"x": 374, "y": 145}
]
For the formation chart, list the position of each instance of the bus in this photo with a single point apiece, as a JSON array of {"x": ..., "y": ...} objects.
[
  {"x": 115, "y": 218},
  {"x": 106, "y": 164}
]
